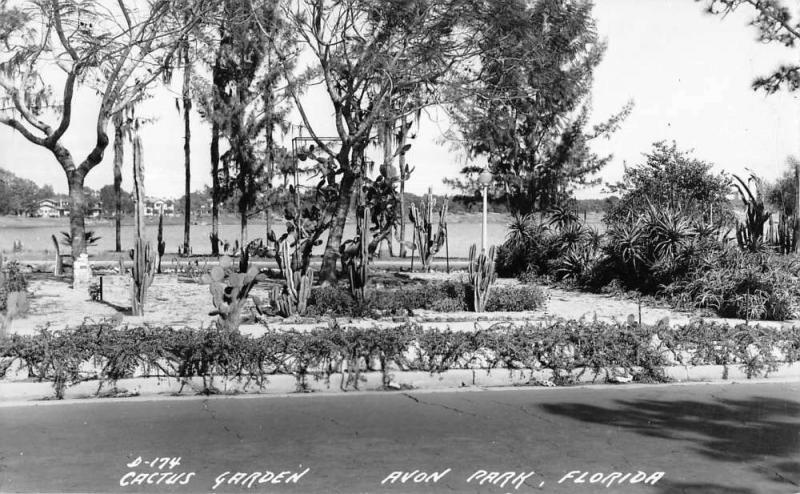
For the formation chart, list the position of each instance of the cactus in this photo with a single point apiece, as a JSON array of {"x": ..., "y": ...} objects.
[
  {"x": 229, "y": 292},
  {"x": 428, "y": 243},
  {"x": 144, "y": 269},
  {"x": 162, "y": 246},
  {"x": 784, "y": 238},
  {"x": 59, "y": 268},
  {"x": 293, "y": 297},
  {"x": 355, "y": 256},
  {"x": 481, "y": 277}
]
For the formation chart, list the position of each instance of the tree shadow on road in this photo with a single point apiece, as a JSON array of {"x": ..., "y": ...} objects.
[{"x": 760, "y": 433}]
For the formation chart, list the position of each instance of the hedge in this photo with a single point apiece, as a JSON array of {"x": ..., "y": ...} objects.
[
  {"x": 437, "y": 296},
  {"x": 568, "y": 348}
]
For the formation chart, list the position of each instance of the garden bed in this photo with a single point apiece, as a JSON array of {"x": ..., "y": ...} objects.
[{"x": 172, "y": 302}]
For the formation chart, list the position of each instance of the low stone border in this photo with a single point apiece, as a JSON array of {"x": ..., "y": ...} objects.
[{"x": 280, "y": 384}]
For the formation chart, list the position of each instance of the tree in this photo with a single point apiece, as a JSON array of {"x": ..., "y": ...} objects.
[
  {"x": 670, "y": 179},
  {"x": 186, "y": 99},
  {"x": 117, "y": 50},
  {"x": 108, "y": 200},
  {"x": 362, "y": 52},
  {"x": 119, "y": 156},
  {"x": 529, "y": 114},
  {"x": 775, "y": 24},
  {"x": 242, "y": 100},
  {"x": 783, "y": 193},
  {"x": 20, "y": 196}
]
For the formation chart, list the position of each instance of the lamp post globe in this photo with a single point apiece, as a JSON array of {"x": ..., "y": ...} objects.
[{"x": 485, "y": 178}]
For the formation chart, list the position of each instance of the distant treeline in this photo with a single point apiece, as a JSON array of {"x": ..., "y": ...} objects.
[
  {"x": 467, "y": 204},
  {"x": 18, "y": 195}
]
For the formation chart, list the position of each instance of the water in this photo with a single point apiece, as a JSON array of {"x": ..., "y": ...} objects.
[{"x": 35, "y": 234}]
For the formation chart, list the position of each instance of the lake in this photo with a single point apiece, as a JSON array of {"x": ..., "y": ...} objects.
[{"x": 464, "y": 230}]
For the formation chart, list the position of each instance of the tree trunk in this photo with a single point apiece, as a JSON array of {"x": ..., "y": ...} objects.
[
  {"x": 243, "y": 231},
  {"x": 797, "y": 203},
  {"x": 269, "y": 153},
  {"x": 328, "y": 269},
  {"x": 119, "y": 154},
  {"x": 215, "y": 193},
  {"x": 187, "y": 160},
  {"x": 77, "y": 211},
  {"x": 403, "y": 177}
]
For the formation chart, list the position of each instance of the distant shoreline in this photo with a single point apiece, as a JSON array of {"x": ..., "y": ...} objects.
[{"x": 227, "y": 219}]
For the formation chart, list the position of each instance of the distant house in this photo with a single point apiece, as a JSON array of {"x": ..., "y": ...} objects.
[
  {"x": 154, "y": 207},
  {"x": 94, "y": 211},
  {"x": 52, "y": 208}
]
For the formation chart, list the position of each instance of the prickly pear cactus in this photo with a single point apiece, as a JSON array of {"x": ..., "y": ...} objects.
[
  {"x": 293, "y": 297},
  {"x": 143, "y": 272},
  {"x": 229, "y": 292},
  {"x": 481, "y": 276}
]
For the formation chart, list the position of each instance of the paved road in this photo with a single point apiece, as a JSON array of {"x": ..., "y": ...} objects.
[{"x": 734, "y": 438}]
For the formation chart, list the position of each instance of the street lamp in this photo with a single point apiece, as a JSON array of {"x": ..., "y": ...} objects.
[{"x": 484, "y": 179}]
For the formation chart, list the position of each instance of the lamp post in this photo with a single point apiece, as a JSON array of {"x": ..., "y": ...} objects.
[{"x": 484, "y": 179}]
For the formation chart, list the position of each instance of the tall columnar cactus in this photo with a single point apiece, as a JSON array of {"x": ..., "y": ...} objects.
[
  {"x": 355, "y": 256},
  {"x": 428, "y": 243},
  {"x": 162, "y": 246},
  {"x": 229, "y": 292},
  {"x": 481, "y": 276},
  {"x": 59, "y": 268},
  {"x": 293, "y": 297},
  {"x": 143, "y": 272}
]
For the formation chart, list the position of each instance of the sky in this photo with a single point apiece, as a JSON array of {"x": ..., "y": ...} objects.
[{"x": 689, "y": 75}]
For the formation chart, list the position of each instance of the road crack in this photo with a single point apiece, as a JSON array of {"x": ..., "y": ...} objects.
[
  {"x": 213, "y": 415},
  {"x": 441, "y": 405}
]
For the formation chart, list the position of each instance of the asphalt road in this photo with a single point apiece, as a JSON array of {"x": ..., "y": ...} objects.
[{"x": 733, "y": 438}]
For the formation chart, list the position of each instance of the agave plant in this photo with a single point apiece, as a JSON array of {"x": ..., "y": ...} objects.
[
  {"x": 577, "y": 263},
  {"x": 670, "y": 232},
  {"x": 594, "y": 239},
  {"x": 89, "y": 237},
  {"x": 570, "y": 236},
  {"x": 627, "y": 241},
  {"x": 523, "y": 229},
  {"x": 561, "y": 217}
]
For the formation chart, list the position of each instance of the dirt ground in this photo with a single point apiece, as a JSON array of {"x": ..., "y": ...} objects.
[{"x": 172, "y": 301}]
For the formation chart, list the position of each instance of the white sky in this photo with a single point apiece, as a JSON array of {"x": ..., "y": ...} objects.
[{"x": 688, "y": 73}]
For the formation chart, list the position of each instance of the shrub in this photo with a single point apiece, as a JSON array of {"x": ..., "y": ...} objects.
[
  {"x": 672, "y": 179},
  {"x": 742, "y": 284},
  {"x": 12, "y": 279},
  {"x": 516, "y": 298},
  {"x": 330, "y": 299},
  {"x": 436, "y": 296}
]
